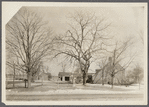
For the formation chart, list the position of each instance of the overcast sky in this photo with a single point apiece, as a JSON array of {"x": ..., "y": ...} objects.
[{"x": 125, "y": 20}]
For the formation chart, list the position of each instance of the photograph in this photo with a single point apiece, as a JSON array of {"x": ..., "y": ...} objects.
[{"x": 74, "y": 53}]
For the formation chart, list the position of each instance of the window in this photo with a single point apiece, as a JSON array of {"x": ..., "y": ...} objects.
[{"x": 66, "y": 78}]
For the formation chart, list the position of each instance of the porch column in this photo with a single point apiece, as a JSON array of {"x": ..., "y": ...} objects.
[{"x": 63, "y": 78}]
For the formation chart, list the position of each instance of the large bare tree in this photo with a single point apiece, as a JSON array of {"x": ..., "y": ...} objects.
[
  {"x": 120, "y": 58},
  {"x": 28, "y": 39},
  {"x": 85, "y": 38}
]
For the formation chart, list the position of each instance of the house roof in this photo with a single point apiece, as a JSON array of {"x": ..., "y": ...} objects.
[
  {"x": 119, "y": 67},
  {"x": 64, "y": 74},
  {"x": 70, "y": 73},
  {"x": 98, "y": 70}
]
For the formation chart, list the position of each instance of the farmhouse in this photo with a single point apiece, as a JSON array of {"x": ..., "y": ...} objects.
[{"x": 104, "y": 75}]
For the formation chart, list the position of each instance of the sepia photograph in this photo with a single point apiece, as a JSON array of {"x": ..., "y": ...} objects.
[{"x": 74, "y": 53}]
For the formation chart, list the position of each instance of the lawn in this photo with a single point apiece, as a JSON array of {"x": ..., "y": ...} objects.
[
  {"x": 54, "y": 85},
  {"x": 39, "y": 86}
]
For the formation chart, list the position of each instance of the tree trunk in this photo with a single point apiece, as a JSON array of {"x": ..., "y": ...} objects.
[
  {"x": 42, "y": 80},
  {"x": 29, "y": 77},
  {"x": 139, "y": 82},
  {"x": 14, "y": 77},
  {"x": 102, "y": 77},
  {"x": 84, "y": 78},
  {"x": 112, "y": 81},
  {"x": 25, "y": 83}
]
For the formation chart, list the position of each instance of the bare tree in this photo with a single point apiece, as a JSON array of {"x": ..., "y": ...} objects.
[
  {"x": 138, "y": 74},
  {"x": 11, "y": 64},
  {"x": 119, "y": 60},
  {"x": 36, "y": 70},
  {"x": 103, "y": 64},
  {"x": 28, "y": 39},
  {"x": 85, "y": 38},
  {"x": 14, "y": 73},
  {"x": 14, "y": 67}
]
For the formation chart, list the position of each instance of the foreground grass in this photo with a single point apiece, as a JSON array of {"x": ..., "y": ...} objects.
[{"x": 52, "y": 85}]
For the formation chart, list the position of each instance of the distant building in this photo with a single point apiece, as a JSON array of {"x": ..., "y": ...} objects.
[
  {"x": 64, "y": 76},
  {"x": 104, "y": 75},
  {"x": 39, "y": 76},
  {"x": 68, "y": 76},
  {"x": 16, "y": 77},
  {"x": 43, "y": 76},
  {"x": 55, "y": 78},
  {"x": 97, "y": 76}
]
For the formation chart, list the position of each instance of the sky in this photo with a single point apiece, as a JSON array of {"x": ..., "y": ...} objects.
[
  {"x": 127, "y": 19},
  {"x": 125, "y": 22}
]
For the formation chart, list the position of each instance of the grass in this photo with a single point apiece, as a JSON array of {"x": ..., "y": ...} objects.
[{"x": 38, "y": 86}]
